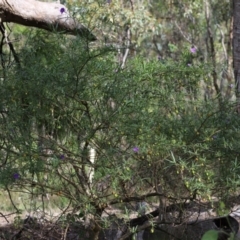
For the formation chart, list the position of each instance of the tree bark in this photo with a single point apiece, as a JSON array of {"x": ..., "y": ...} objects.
[
  {"x": 49, "y": 16},
  {"x": 236, "y": 49}
]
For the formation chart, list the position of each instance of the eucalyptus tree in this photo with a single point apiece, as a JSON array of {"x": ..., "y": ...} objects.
[{"x": 236, "y": 49}]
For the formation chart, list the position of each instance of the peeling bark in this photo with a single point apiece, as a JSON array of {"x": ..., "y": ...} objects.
[{"x": 49, "y": 16}]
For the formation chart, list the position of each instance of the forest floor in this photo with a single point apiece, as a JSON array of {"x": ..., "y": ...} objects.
[{"x": 13, "y": 227}]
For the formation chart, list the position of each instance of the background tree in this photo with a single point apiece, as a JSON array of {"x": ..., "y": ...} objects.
[{"x": 236, "y": 37}]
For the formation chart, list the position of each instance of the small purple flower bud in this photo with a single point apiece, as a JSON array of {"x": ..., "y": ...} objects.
[
  {"x": 193, "y": 49},
  {"x": 136, "y": 149},
  {"x": 62, "y": 10},
  {"x": 16, "y": 176},
  {"x": 61, "y": 157},
  {"x": 231, "y": 85}
]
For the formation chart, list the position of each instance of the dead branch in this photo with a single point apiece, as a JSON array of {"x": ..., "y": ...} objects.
[{"x": 44, "y": 15}]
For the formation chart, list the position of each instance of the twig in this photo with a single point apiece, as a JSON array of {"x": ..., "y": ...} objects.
[
  {"x": 9, "y": 43},
  {"x": 65, "y": 233},
  {"x": 4, "y": 217},
  {"x": 127, "y": 48},
  {"x": 10, "y": 197},
  {"x": 187, "y": 38}
]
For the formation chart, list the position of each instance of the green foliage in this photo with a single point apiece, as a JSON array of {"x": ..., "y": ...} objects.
[
  {"x": 66, "y": 98},
  {"x": 213, "y": 235},
  {"x": 210, "y": 235},
  {"x": 221, "y": 210},
  {"x": 152, "y": 124}
]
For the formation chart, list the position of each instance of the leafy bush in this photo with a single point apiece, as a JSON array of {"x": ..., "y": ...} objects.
[{"x": 74, "y": 124}]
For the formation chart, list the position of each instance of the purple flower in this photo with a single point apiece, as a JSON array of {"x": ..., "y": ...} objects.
[
  {"x": 61, "y": 157},
  {"x": 193, "y": 49},
  {"x": 62, "y": 10},
  {"x": 231, "y": 85},
  {"x": 16, "y": 176},
  {"x": 136, "y": 149}
]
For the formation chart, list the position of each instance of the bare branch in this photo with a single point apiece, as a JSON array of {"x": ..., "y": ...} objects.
[
  {"x": 183, "y": 34},
  {"x": 44, "y": 15},
  {"x": 9, "y": 43},
  {"x": 128, "y": 32}
]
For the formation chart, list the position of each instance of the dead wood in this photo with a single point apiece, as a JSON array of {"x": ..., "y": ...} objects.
[{"x": 44, "y": 15}]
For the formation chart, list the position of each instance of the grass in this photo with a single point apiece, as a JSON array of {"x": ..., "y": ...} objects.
[{"x": 23, "y": 204}]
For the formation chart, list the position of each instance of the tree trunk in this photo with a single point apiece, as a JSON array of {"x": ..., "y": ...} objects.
[
  {"x": 236, "y": 49},
  {"x": 49, "y": 16}
]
